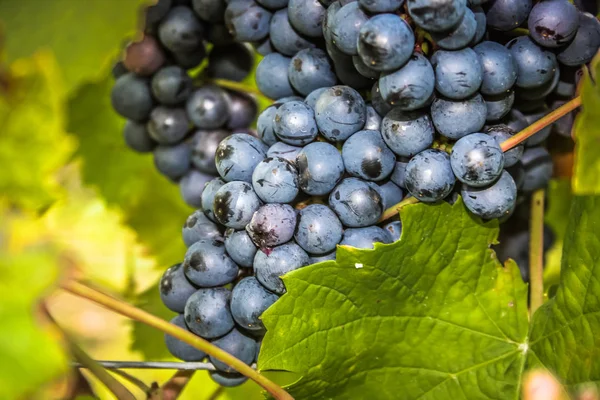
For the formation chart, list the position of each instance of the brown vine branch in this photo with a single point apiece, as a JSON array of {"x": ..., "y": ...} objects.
[
  {"x": 541, "y": 124},
  {"x": 140, "y": 315},
  {"x": 172, "y": 388},
  {"x": 536, "y": 250},
  {"x": 240, "y": 87},
  {"x": 395, "y": 209}
]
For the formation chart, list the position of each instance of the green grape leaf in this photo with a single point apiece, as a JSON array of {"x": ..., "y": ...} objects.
[
  {"x": 33, "y": 144},
  {"x": 150, "y": 204},
  {"x": 31, "y": 355},
  {"x": 432, "y": 316},
  {"x": 84, "y": 35},
  {"x": 564, "y": 335},
  {"x": 586, "y": 179}
]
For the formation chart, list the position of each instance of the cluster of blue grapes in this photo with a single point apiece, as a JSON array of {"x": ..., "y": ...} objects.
[{"x": 179, "y": 121}]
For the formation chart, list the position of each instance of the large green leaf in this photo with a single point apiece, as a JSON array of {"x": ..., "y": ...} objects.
[
  {"x": 33, "y": 144},
  {"x": 586, "y": 179},
  {"x": 564, "y": 336},
  {"x": 30, "y": 355},
  {"x": 433, "y": 316},
  {"x": 84, "y": 35}
]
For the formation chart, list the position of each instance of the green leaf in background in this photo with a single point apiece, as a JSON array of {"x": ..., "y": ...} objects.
[
  {"x": 564, "y": 336},
  {"x": 84, "y": 35},
  {"x": 433, "y": 316},
  {"x": 150, "y": 204},
  {"x": 33, "y": 144},
  {"x": 586, "y": 178},
  {"x": 30, "y": 355}
]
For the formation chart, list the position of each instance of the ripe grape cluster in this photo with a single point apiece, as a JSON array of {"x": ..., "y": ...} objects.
[
  {"x": 374, "y": 100},
  {"x": 171, "y": 111}
]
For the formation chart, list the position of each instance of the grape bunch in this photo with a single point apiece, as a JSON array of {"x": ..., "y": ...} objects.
[{"x": 171, "y": 111}]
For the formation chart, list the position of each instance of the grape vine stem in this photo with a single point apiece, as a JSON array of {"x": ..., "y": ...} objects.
[
  {"x": 541, "y": 124},
  {"x": 240, "y": 87},
  {"x": 142, "y": 316},
  {"x": 395, "y": 209},
  {"x": 536, "y": 250}
]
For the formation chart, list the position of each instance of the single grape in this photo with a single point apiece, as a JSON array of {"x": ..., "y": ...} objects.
[
  {"x": 471, "y": 113},
  {"x": 284, "y": 37},
  {"x": 237, "y": 156},
  {"x": 287, "y": 99},
  {"x": 319, "y": 229},
  {"x": 322, "y": 258},
  {"x": 540, "y": 92},
  {"x": 385, "y": 42},
  {"x": 198, "y": 227},
  {"x": 219, "y": 35},
  {"x": 499, "y": 68},
  {"x": 263, "y": 47},
  {"x": 239, "y": 247},
  {"x": 399, "y": 173},
  {"x": 481, "y": 21},
  {"x": 273, "y": 4},
  {"x": 208, "y": 107},
  {"x": 407, "y": 132},
  {"x": 270, "y": 265},
  {"x": 207, "y": 265},
  {"x": 131, "y": 97},
  {"x": 340, "y": 111},
  {"x": 172, "y": 161},
  {"x": 275, "y": 180},
  {"x": 247, "y": 21},
  {"x": 543, "y": 133},
  {"x": 390, "y": 194},
  {"x": 208, "y": 196},
  {"x": 239, "y": 345},
  {"x": 312, "y": 97},
  {"x": 154, "y": 13},
  {"x": 137, "y": 138},
  {"x": 366, "y": 156},
  {"x": 436, "y": 15},
  {"x": 394, "y": 230},
  {"x": 180, "y": 30},
  {"x": 234, "y": 204},
  {"x": 242, "y": 110},
  {"x": 563, "y": 126},
  {"x": 553, "y": 23},
  {"x": 180, "y": 349},
  {"x": 233, "y": 62},
  {"x": 518, "y": 174},
  {"x": 207, "y": 312},
  {"x": 175, "y": 288},
  {"x": 363, "y": 68},
  {"x": 295, "y": 124},
  {"x": 477, "y": 159},
  {"x": 168, "y": 125},
  {"x": 506, "y": 15},
  {"x": 502, "y": 133},
  {"x": 586, "y": 43},
  {"x": 171, "y": 85},
  {"x": 459, "y": 36},
  {"x": 381, "y": 6},
  {"x": 306, "y": 16},
  {"x": 411, "y": 86},
  {"x": 535, "y": 66},
  {"x": 227, "y": 380},
  {"x": 458, "y": 74},
  {"x": 272, "y": 76},
  {"x": 345, "y": 26},
  {"x": 266, "y": 123},
  {"x": 320, "y": 168},
  {"x": 378, "y": 103},
  {"x": 191, "y": 187},
  {"x": 372, "y": 120},
  {"x": 365, "y": 238},
  {"x": 356, "y": 203},
  {"x": 494, "y": 201},
  {"x": 538, "y": 167},
  {"x": 310, "y": 69},
  {"x": 429, "y": 176},
  {"x": 249, "y": 299},
  {"x": 499, "y": 106},
  {"x": 144, "y": 57},
  {"x": 204, "y": 146},
  {"x": 209, "y": 10},
  {"x": 515, "y": 120},
  {"x": 271, "y": 225},
  {"x": 285, "y": 151},
  {"x": 190, "y": 59}
]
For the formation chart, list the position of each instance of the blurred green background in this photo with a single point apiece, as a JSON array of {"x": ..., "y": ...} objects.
[{"x": 75, "y": 202}]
